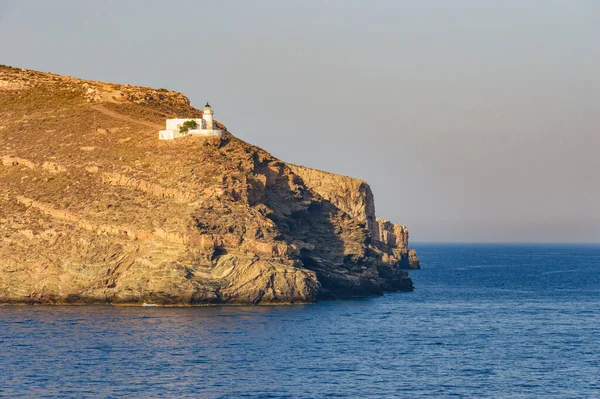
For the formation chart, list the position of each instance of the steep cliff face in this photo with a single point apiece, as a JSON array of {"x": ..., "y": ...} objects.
[
  {"x": 387, "y": 241},
  {"x": 351, "y": 195},
  {"x": 94, "y": 209}
]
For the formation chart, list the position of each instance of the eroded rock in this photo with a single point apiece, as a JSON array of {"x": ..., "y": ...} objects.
[{"x": 90, "y": 216}]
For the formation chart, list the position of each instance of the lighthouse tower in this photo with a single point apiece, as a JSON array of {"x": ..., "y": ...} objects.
[{"x": 208, "y": 117}]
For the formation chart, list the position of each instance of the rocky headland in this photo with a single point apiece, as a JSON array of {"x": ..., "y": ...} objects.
[{"x": 94, "y": 209}]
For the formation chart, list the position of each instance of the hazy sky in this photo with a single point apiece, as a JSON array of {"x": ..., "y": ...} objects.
[{"x": 472, "y": 120}]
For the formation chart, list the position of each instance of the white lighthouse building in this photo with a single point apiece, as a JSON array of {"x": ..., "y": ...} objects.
[{"x": 182, "y": 127}]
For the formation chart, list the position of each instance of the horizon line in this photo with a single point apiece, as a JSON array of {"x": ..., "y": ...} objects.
[{"x": 507, "y": 242}]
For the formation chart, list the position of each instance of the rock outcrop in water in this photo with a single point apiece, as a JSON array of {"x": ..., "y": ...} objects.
[{"x": 95, "y": 209}]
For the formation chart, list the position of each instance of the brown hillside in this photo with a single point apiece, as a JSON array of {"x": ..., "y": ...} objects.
[{"x": 95, "y": 209}]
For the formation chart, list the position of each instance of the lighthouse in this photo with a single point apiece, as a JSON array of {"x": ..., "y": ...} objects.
[
  {"x": 205, "y": 126},
  {"x": 208, "y": 117}
]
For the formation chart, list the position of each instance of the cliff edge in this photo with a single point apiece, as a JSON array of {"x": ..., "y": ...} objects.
[{"x": 95, "y": 209}]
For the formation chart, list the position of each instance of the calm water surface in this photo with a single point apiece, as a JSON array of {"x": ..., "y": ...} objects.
[{"x": 484, "y": 321}]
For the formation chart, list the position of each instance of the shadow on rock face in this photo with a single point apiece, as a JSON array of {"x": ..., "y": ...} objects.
[{"x": 333, "y": 245}]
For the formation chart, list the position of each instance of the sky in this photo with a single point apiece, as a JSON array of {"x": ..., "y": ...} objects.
[{"x": 472, "y": 120}]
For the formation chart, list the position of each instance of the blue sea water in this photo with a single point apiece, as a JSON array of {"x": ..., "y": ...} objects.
[{"x": 485, "y": 321}]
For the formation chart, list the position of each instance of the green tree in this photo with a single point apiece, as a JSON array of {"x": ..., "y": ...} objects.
[{"x": 187, "y": 125}]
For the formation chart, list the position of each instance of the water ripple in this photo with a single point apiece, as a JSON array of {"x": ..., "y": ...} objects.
[{"x": 473, "y": 329}]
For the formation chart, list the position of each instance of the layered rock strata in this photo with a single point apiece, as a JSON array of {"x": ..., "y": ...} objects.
[{"x": 94, "y": 209}]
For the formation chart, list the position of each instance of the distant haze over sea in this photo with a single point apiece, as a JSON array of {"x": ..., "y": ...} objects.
[{"x": 471, "y": 121}]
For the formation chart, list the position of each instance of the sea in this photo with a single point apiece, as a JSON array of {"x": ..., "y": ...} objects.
[{"x": 484, "y": 321}]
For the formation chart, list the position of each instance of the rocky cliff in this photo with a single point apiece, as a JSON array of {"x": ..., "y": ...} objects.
[{"x": 95, "y": 209}]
